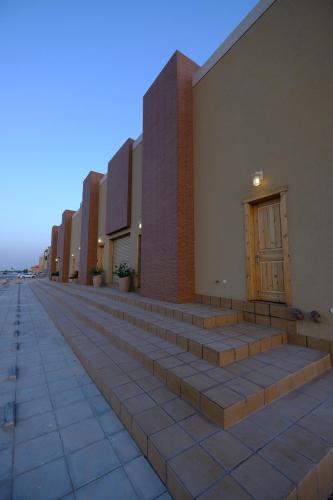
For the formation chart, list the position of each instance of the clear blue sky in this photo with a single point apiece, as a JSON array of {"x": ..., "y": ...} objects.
[{"x": 72, "y": 77}]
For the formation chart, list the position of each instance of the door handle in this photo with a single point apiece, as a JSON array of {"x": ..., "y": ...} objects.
[{"x": 257, "y": 258}]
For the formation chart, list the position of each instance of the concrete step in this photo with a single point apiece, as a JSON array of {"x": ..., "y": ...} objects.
[
  {"x": 282, "y": 451},
  {"x": 222, "y": 346},
  {"x": 224, "y": 395},
  {"x": 201, "y": 315}
]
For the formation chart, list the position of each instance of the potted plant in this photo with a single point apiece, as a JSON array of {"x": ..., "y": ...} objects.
[
  {"x": 55, "y": 276},
  {"x": 73, "y": 278},
  {"x": 124, "y": 273},
  {"x": 97, "y": 276}
]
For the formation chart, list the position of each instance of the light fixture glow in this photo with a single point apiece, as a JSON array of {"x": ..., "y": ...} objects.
[
  {"x": 140, "y": 225},
  {"x": 257, "y": 178},
  {"x": 79, "y": 248},
  {"x": 72, "y": 255}
]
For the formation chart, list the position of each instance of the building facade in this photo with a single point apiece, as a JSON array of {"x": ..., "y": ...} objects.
[{"x": 226, "y": 197}]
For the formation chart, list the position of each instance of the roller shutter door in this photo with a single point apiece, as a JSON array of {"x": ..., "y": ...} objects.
[{"x": 121, "y": 253}]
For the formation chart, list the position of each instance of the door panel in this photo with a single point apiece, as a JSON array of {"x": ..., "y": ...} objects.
[
  {"x": 269, "y": 253},
  {"x": 100, "y": 257}
]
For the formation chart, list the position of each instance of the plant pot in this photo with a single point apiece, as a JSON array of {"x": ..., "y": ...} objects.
[
  {"x": 125, "y": 284},
  {"x": 97, "y": 280}
]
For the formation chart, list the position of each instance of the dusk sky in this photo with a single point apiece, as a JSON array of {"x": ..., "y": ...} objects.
[{"x": 73, "y": 73}]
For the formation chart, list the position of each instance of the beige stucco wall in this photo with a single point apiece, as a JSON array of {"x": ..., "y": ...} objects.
[
  {"x": 267, "y": 105},
  {"x": 134, "y": 229},
  {"x": 75, "y": 242}
]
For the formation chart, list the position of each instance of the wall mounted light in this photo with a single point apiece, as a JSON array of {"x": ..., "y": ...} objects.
[
  {"x": 79, "y": 248},
  {"x": 257, "y": 178},
  {"x": 100, "y": 242},
  {"x": 72, "y": 255},
  {"x": 140, "y": 225}
]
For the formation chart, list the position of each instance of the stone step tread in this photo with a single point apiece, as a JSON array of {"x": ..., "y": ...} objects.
[
  {"x": 224, "y": 395},
  {"x": 222, "y": 346},
  {"x": 203, "y": 315},
  {"x": 285, "y": 448}
]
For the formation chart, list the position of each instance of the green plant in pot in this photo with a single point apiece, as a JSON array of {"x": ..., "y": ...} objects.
[
  {"x": 55, "y": 276},
  {"x": 124, "y": 273},
  {"x": 97, "y": 275},
  {"x": 73, "y": 278}
]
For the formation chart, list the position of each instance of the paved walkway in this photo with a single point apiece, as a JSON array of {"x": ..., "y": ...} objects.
[{"x": 68, "y": 442}]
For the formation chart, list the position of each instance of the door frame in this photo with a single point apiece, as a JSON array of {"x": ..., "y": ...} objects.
[{"x": 249, "y": 209}]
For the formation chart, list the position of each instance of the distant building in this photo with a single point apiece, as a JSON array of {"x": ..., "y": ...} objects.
[{"x": 44, "y": 261}]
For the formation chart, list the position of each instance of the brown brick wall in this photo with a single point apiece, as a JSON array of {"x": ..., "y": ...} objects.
[
  {"x": 54, "y": 250},
  {"x": 64, "y": 244},
  {"x": 89, "y": 226},
  {"x": 119, "y": 186},
  {"x": 167, "y": 264}
]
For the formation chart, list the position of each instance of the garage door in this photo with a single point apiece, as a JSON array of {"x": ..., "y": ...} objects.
[{"x": 121, "y": 253}]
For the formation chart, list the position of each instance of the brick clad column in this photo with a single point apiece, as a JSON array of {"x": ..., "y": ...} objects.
[
  {"x": 167, "y": 258},
  {"x": 119, "y": 189},
  {"x": 53, "y": 251},
  {"x": 64, "y": 244},
  {"x": 89, "y": 226}
]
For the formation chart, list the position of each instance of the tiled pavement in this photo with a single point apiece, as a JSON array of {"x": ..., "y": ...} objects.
[
  {"x": 281, "y": 451},
  {"x": 68, "y": 442}
]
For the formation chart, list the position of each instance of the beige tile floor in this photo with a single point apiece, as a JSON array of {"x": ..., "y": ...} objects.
[{"x": 195, "y": 457}]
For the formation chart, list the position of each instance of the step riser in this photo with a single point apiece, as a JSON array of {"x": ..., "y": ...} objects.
[
  {"x": 234, "y": 414},
  {"x": 206, "y": 352},
  {"x": 169, "y": 312},
  {"x": 224, "y": 417}
]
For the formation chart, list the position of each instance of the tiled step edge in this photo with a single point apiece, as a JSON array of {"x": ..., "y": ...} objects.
[
  {"x": 222, "y": 317},
  {"x": 222, "y": 406},
  {"x": 209, "y": 351}
]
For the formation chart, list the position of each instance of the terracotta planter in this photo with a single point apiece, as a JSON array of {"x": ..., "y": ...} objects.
[
  {"x": 97, "y": 280},
  {"x": 125, "y": 284}
]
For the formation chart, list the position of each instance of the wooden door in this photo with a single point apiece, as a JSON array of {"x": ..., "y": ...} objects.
[
  {"x": 269, "y": 252},
  {"x": 100, "y": 257}
]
